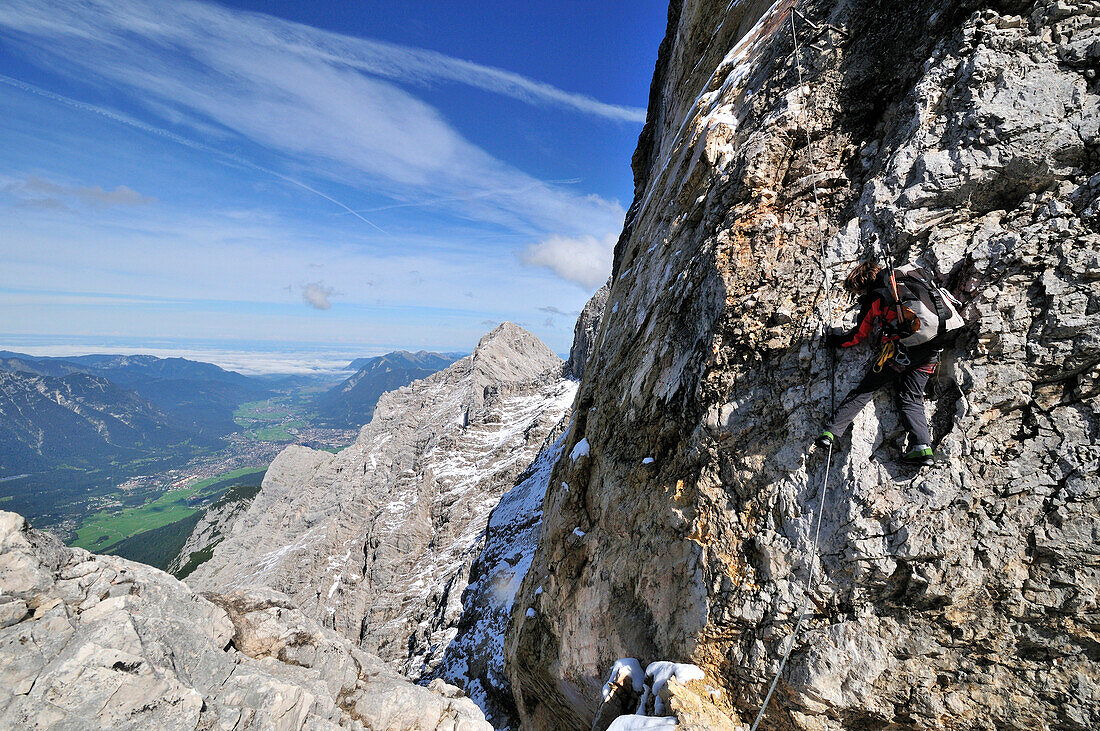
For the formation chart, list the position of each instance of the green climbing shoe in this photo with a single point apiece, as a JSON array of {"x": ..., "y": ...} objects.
[
  {"x": 825, "y": 440},
  {"x": 921, "y": 457}
]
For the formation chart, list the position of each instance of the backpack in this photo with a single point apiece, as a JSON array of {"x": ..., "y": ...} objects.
[{"x": 928, "y": 311}]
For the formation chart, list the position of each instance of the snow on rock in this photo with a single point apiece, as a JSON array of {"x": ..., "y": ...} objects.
[
  {"x": 626, "y": 668},
  {"x": 667, "y": 692},
  {"x": 474, "y": 660},
  {"x": 580, "y": 449},
  {"x": 642, "y": 723},
  {"x": 658, "y": 673}
]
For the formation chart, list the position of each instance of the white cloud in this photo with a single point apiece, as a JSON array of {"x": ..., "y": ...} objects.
[
  {"x": 585, "y": 260},
  {"x": 317, "y": 295}
]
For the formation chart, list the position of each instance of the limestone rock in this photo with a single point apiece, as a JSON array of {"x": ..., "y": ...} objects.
[
  {"x": 377, "y": 541},
  {"x": 584, "y": 332},
  {"x": 103, "y": 642},
  {"x": 619, "y": 699},
  {"x": 961, "y": 136},
  {"x": 696, "y": 706}
]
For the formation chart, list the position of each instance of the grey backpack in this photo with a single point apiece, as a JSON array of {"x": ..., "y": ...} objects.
[{"x": 928, "y": 312}]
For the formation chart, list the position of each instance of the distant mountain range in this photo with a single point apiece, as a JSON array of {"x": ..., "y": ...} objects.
[
  {"x": 351, "y": 403},
  {"x": 424, "y": 358},
  {"x": 200, "y": 393},
  {"x": 78, "y": 420},
  {"x": 85, "y": 411}
]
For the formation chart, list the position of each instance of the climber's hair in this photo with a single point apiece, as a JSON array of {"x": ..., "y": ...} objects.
[{"x": 862, "y": 277}]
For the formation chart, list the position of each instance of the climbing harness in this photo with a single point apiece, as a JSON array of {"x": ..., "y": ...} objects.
[{"x": 832, "y": 398}]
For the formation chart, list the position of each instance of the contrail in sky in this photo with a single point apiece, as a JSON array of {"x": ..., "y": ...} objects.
[
  {"x": 178, "y": 139},
  {"x": 471, "y": 197}
]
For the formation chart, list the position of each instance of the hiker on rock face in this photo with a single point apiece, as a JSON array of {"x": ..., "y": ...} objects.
[{"x": 883, "y": 295}]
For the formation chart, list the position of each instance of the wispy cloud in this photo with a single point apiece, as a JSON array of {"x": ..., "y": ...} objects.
[
  {"x": 584, "y": 260},
  {"x": 280, "y": 108},
  {"x": 551, "y": 310},
  {"x": 417, "y": 65},
  {"x": 130, "y": 121},
  {"x": 40, "y": 192},
  {"x": 176, "y": 21},
  {"x": 311, "y": 95}
]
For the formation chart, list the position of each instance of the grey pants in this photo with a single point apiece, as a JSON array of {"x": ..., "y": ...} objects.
[{"x": 908, "y": 394}]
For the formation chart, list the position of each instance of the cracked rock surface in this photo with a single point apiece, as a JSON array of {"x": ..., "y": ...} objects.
[
  {"x": 964, "y": 136},
  {"x": 93, "y": 642}
]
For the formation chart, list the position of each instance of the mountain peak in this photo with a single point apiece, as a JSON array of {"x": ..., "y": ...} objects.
[{"x": 511, "y": 354}]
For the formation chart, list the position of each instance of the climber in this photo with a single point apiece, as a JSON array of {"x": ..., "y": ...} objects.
[{"x": 907, "y": 368}]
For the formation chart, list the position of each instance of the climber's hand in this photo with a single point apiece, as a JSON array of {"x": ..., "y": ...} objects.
[{"x": 834, "y": 337}]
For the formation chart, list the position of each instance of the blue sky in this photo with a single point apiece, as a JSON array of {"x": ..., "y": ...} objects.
[{"x": 371, "y": 175}]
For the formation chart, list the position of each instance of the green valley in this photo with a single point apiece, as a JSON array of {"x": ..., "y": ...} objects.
[{"x": 102, "y": 530}]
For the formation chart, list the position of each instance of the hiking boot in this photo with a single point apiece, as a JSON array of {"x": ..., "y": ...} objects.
[
  {"x": 825, "y": 440},
  {"x": 920, "y": 457}
]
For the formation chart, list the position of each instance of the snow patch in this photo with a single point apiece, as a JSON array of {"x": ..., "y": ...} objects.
[
  {"x": 578, "y": 532},
  {"x": 580, "y": 450},
  {"x": 624, "y": 668},
  {"x": 647, "y": 460},
  {"x": 641, "y": 723},
  {"x": 507, "y": 553}
]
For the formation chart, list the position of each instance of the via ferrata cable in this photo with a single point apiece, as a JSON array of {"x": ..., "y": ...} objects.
[{"x": 832, "y": 398}]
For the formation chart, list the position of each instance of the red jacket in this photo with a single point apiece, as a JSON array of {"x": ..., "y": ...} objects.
[{"x": 874, "y": 313}]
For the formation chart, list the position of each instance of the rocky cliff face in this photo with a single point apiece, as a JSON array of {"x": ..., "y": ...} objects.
[
  {"x": 959, "y": 135},
  {"x": 584, "y": 333},
  {"x": 92, "y": 641},
  {"x": 377, "y": 541}
]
